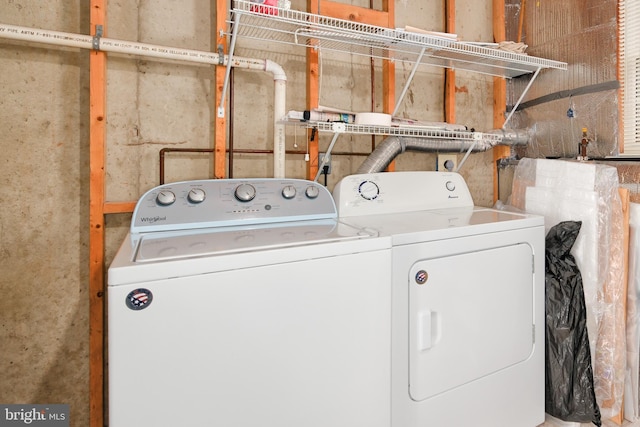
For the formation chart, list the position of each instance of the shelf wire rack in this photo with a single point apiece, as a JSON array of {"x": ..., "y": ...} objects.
[{"x": 269, "y": 23}]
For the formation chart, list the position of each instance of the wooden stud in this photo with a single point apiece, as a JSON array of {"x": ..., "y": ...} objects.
[
  {"x": 499, "y": 94},
  {"x": 220, "y": 123},
  {"x": 119, "y": 207},
  {"x": 379, "y": 18},
  {"x": 450, "y": 74},
  {"x": 389, "y": 72},
  {"x": 97, "y": 111},
  {"x": 313, "y": 90}
]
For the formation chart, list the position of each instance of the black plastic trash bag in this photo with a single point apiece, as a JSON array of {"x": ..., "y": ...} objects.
[{"x": 569, "y": 389}]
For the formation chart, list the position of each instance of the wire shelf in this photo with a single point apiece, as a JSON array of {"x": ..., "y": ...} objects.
[{"x": 259, "y": 22}]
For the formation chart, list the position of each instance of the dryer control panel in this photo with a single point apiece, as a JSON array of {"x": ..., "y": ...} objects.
[
  {"x": 228, "y": 202},
  {"x": 396, "y": 192}
]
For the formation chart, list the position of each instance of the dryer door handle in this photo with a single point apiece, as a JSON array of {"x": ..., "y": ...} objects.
[{"x": 428, "y": 329}]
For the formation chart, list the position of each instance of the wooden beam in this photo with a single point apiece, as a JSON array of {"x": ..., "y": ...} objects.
[
  {"x": 119, "y": 207},
  {"x": 220, "y": 123},
  {"x": 450, "y": 74},
  {"x": 97, "y": 120},
  {"x": 388, "y": 67},
  {"x": 347, "y": 12},
  {"x": 389, "y": 71},
  {"x": 312, "y": 92},
  {"x": 499, "y": 94}
]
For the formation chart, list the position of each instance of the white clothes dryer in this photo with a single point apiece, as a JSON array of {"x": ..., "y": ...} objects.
[
  {"x": 244, "y": 303},
  {"x": 467, "y": 300}
]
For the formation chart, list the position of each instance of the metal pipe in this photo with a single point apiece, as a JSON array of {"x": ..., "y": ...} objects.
[
  {"x": 296, "y": 152},
  {"x": 240, "y": 151},
  {"x": 393, "y": 146},
  {"x": 179, "y": 150}
]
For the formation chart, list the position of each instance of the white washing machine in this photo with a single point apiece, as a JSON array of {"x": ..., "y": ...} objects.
[
  {"x": 244, "y": 303},
  {"x": 467, "y": 300}
]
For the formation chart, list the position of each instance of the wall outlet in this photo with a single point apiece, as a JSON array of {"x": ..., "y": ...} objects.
[
  {"x": 327, "y": 164},
  {"x": 447, "y": 163}
]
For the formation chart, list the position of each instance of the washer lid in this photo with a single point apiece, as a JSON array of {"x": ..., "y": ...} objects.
[
  {"x": 159, "y": 246},
  {"x": 164, "y": 255}
]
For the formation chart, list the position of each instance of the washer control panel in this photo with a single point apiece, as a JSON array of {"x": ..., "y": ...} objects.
[
  {"x": 227, "y": 202},
  {"x": 396, "y": 192}
]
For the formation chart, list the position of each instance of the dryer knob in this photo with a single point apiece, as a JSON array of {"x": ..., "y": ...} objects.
[
  {"x": 369, "y": 190},
  {"x": 450, "y": 185}
]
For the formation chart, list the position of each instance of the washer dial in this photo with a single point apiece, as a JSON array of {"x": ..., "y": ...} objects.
[
  {"x": 289, "y": 192},
  {"x": 165, "y": 198},
  {"x": 245, "y": 192},
  {"x": 196, "y": 195},
  {"x": 369, "y": 190},
  {"x": 312, "y": 192}
]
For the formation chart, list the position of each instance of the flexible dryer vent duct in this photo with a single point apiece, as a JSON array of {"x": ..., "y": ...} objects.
[{"x": 393, "y": 146}]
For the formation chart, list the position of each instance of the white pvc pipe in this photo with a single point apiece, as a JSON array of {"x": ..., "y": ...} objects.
[
  {"x": 279, "y": 111},
  {"x": 43, "y": 36},
  {"x": 170, "y": 53},
  {"x": 279, "y": 165},
  {"x": 276, "y": 70}
]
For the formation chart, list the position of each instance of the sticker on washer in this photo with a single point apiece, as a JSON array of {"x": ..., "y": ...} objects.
[
  {"x": 139, "y": 299},
  {"x": 421, "y": 277}
]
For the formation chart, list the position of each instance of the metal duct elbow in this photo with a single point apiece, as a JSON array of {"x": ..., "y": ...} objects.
[
  {"x": 393, "y": 146},
  {"x": 512, "y": 137},
  {"x": 384, "y": 153}
]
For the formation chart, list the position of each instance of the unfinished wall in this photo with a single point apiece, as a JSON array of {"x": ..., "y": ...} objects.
[
  {"x": 43, "y": 219},
  {"x": 150, "y": 105},
  {"x": 154, "y": 104}
]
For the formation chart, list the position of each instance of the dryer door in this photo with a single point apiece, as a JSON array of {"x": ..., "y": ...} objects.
[{"x": 470, "y": 315}]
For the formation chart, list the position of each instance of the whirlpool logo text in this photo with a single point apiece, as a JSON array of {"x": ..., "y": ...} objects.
[{"x": 153, "y": 219}]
